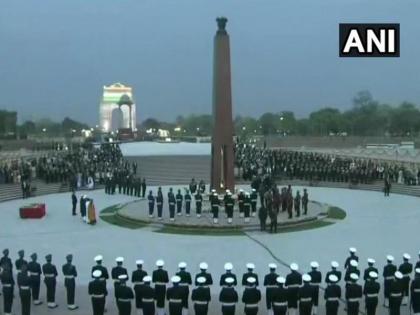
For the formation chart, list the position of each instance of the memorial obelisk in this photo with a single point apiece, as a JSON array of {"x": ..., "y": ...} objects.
[{"x": 222, "y": 157}]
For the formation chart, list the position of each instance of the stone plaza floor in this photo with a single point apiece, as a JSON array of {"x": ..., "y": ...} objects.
[{"x": 375, "y": 225}]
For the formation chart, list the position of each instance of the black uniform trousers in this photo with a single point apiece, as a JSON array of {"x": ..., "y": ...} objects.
[
  {"x": 148, "y": 308},
  {"x": 201, "y": 309},
  {"x": 74, "y": 208},
  {"x": 25, "y": 301},
  {"x": 353, "y": 308},
  {"x": 50, "y": 284},
  {"x": 159, "y": 209},
  {"x": 331, "y": 307},
  {"x": 171, "y": 211},
  {"x": 371, "y": 304},
  {"x": 228, "y": 310},
  {"x": 198, "y": 207},
  {"x": 124, "y": 308},
  {"x": 151, "y": 208},
  {"x": 35, "y": 285},
  {"x": 251, "y": 310},
  {"x": 160, "y": 291},
  {"x": 187, "y": 207},
  {"x": 98, "y": 305},
  {"x": 175, "y": 308},
  {"x": 70, "y": 285},
  {"x": 7, "y": 299},
  {"x": 394, "y": 305},
  {"x": 279, "y": 310},
  {"x": 305, "y": 308}
]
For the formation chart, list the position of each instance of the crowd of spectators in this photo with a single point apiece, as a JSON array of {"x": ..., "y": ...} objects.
[{"x": 252, "y": 161}]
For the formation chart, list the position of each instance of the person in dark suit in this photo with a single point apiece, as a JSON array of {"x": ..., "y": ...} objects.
[{"x": 73, "y": 202}]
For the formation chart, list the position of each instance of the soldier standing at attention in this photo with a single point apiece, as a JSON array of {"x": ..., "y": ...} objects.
[
  {"x": 262, "y": 215},
  {"x": 159, "y": 203},
  {"x": 203, "y": 273},
  {"x": 251, "y": 297},
  {"x": 24, "y": 285},
  {"x": 352, "y": 269},
  {"x": 354, "y": 293},
  {"x": 5, "y": 260},
  {"x": 179, "y": 199},
  {"x": 332, "y": 295},
  {"x": 389, "y": 276},
  {"x": 34, "y": 272},
  {"x": 371, "y": 292},
  {"x": 198, "y": 203},
  {"x": 305, "y": 201},
  {"x": 124, "y": 295},
  {"x": 305, "y": 295},
  {"x": 73, "y": 202},
  {"x": 117, "y": 271},
  {"x": 151, "y": 200},
  {"x": 289, "y": 198},
  {"x": 201, "y": 297},
  {"x": 8, "y": 284},
  {"x": 406, "y": 268},
  {"x": 415, "y": 292},
  {"x": 352, "y": 256},
  {"x": 143, "y": 187},
  {"x": 187, "y": 198},
  {"x": 278, "y": 298},
  {"x": 147, "y": 294},
  {"x": 137, "y": 281},
  {"x": 184, "y": 283},
  {"x": 98, "y": 292},
  {"x": 228, "y": 274},
  {"x": 171, "y": 202},
  {"x": 21, "y": 260},
  {"x": 229, "y": 204},
  {"x": 270, "y": 283},
  {"x": 297, "y": 203},
  {"x": 293, "y": 283},
  {"x": 254, "y": 199},
  {"x": 104, "y": 272},
  {"x": 215, "y": 204},
  {"x": 316, "y": 279},
  {"x": 175, "y": 296},
  {"x": 160, "y": 279},
  {"x": 70, "y": 274},
  {"x": 396, "y": 294},
  {"x": 228, "y": 297},
  {"x": 241, "y": 197},
  {"x": 250, "y": 274},
  {"x": 50, "y": 274},
  {"x": 333, "y": 271},
  {"x": 371, "y": 263},
  {"x": 247, "y": 206}
]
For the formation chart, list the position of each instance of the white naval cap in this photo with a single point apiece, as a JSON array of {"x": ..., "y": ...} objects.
[
  {"x": 272, "y": 266},
  {"x": 98, "y": 258},
  {"x": 119, "y": 259},
  {"x": 390, "y": 258},
  {"x": 333, "y": 278},
  {"x": 398, "y": 275},
  {"x": 123, "y": 277},
  {"x": 97, "y": 274},
  {"x": 247, "y": 194},
  {"x": 160, "y": 263},
  {"x": 334, "y": 264},
  {"x": 227, "y": 190},
  {"x": 229, "y": 193},
  {"x": 373, "y": 275},
  {"x": 352, "y": 250},
  {"x": 253, "y": 189},
  {"x": 241, "y": 190},
  {"x": 280, "y": 280},
  {"x": 314, "y": 264},
  {"x": 406, "y": 256},
  {"x": 294, "y": 267},
  {"x": 182, "y": 265},
  {"x": 354, "y": 276},
  {"x": 306, "y": 277},
  {"x": 417, "y": 270},
  {"x": 371, "y": 261},
  {"x": 229, "y": 280},
  {"x": 204, "y": 265},
  {"x": 251, "y": 280},
  {"x": 201, "y": 280},
  {"x": 213, "y": 190},
  {"x": 354, "y": 263},
  {"x": 250, "y": 266},
  {"x": 228, "y": 266},
  {"x": 147, "y": 279},
  {"x": 175, "y": 279},
  {"x": 139, "y": 262}
]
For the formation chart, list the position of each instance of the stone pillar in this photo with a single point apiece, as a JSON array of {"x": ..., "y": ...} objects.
[{"x": 222, "y": 157}]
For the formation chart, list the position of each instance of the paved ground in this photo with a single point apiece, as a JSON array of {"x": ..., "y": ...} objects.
[
  {"x": 138, "y": 210},
  {"x": 377, "y": 226}
]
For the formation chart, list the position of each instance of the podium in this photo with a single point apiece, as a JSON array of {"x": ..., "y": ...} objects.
[{"x": 33, "y": 211}]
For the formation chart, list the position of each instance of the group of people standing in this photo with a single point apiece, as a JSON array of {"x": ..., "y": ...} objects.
[{"x": 295, "y": 292}]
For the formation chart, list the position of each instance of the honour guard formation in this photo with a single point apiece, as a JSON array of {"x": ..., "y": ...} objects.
[{"x": 295, "y": 292}]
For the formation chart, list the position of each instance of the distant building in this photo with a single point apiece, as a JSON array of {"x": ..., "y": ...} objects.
[
  {"x": 117, "y": 109},
  {"x": 8, "y": 123}
]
